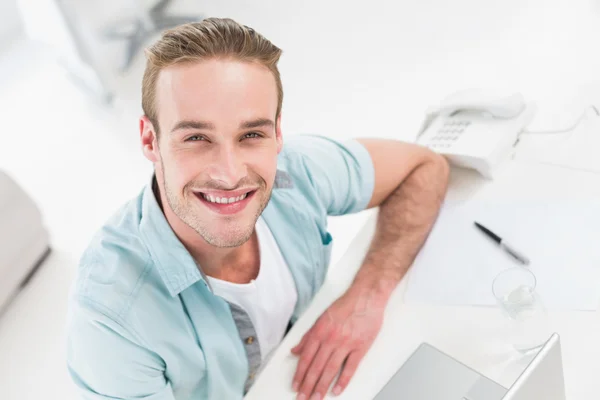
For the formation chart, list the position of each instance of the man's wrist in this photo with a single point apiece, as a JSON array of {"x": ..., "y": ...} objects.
[{"x": 373, "y": 285}]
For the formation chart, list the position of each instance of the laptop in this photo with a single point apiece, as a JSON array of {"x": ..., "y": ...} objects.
[{"x": 429, "y": 374}]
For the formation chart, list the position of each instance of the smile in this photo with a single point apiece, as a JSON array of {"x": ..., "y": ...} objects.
[
  {"x": 224, "y": 200},
  {"x": 224, "y": 204}
]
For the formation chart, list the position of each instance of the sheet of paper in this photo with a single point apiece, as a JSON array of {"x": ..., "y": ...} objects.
[
  {"x": 458, "y": 263},
  {"x": 575, "y": 149}
]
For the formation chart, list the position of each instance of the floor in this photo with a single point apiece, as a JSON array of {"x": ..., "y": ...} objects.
[
  {"x": 65, "y": 151},
  {"x": 80, "y": 159}
]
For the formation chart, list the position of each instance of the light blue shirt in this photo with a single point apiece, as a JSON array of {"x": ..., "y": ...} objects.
[{"x": 143, "y": 324}]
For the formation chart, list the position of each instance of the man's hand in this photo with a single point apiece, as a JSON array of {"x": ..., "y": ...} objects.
[
  {"x": 340, "y": 338},
  {"x": 410, "y": 185}
]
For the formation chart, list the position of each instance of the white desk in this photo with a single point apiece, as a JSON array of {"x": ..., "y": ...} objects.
[{"x": 474, "y": 335}]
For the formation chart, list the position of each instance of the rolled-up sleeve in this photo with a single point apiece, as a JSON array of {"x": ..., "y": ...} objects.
[
  {"x": 341, "y": 172},
  {"x": 106, "y": 361}
]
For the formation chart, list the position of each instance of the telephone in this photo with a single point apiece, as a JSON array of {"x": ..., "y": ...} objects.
[{"x": 474, "y": 129}]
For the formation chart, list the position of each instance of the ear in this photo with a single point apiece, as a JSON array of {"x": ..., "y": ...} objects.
[
  {"x": 149, "y": 140},
  {"x": 278, "y": 135}
]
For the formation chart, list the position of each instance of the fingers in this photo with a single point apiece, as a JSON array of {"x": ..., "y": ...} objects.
[
  {"x": 348, "y": 371},
  {"x": 332, "y": 368},
  {"x": 298, "y": 349},
  {"x": 308, "y": 353},
  {"x": 314, "y": 372}
]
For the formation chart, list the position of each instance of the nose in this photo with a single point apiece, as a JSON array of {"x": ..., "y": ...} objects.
[{"x": 228, "y": 166}]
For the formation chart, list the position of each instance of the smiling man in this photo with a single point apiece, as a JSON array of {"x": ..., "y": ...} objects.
[{"x": 189, "y": 288}]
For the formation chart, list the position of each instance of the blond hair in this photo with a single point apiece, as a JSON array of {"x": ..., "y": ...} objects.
[{"x": 209, "y": 39}]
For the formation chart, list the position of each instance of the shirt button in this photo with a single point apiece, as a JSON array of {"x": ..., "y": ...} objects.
[{"x": 250, "y": 340}]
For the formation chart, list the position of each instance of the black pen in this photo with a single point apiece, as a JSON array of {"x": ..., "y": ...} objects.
[{"x": 517, "y": 255}]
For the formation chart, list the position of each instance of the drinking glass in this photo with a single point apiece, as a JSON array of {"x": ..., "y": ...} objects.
[{"x": 515, "y": 292}]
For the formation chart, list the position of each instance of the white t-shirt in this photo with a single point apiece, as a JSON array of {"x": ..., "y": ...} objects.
[{"x": 269, "y": 299}]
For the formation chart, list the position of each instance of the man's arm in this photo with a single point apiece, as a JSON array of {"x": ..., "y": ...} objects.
[
  {"x": 106, "y": 361},
  {"x": 410, "y": 184}
]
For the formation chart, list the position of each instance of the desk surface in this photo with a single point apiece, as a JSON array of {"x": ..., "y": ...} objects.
[{"x": 474, "y": 335}]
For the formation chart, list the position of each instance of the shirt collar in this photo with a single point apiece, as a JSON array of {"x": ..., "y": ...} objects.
[{"x": 174, "y": 263}]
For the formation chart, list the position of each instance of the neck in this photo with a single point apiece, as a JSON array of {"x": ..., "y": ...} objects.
[{"x": 235, "y": 264}]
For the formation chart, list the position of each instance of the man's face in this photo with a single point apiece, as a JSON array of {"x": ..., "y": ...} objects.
[{"x": 218, "y": 145}]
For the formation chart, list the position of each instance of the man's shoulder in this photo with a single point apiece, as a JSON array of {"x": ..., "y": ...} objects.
[
  {"x": 301, "y": 155},
  {"x": 303, "y": 145},
  {"x": 293, "y": 182},
  {"x": 315, "y": 163},
  {"x": 116, "y": 265},
  {"x": 304, "y": 155}
]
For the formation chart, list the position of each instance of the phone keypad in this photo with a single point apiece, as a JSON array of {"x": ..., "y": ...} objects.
[{"x": 448, "y": 133}]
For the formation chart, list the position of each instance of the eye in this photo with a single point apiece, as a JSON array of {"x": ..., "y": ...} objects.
[
  {"x": 195, "y": 138},
  {"x": 251, "y": 135}
]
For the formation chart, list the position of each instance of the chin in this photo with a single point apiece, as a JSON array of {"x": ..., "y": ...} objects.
[
  {"x": 228, "y": 238},
  {"x": 227, "y": 231},
  {"x": 217, "y": 228}
]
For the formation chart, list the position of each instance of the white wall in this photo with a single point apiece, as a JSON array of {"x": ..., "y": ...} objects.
[{"x": 10, "y": 20}]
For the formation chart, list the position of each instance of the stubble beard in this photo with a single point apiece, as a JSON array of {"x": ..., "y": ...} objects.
[{"x": 235, "y": 234}]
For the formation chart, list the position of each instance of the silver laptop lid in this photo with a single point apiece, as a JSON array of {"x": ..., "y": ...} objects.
[
  {"x": 429, "y": 374},
  {"x": 543, "y": 378}
]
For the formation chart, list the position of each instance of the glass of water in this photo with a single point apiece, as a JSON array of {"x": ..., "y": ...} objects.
[{"x": 515, "y": 292}]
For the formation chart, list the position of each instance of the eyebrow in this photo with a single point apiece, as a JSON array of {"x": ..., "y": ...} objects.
[
  {"x": 192, "y": 124},
  {"x": 258, "y": 123},
  {"x": 189, "y": 124}
]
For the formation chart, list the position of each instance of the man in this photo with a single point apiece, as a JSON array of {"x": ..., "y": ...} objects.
[{"x": 186, "y": 291}]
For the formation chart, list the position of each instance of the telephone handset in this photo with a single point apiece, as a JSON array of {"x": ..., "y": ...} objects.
[{"x": 473, "y": 129}]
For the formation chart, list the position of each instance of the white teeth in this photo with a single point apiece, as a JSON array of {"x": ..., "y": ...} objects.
[{"x": 224, "y": 200}]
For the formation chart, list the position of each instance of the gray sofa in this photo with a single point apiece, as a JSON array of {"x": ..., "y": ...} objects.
[{"x": 24, "y": 240}]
